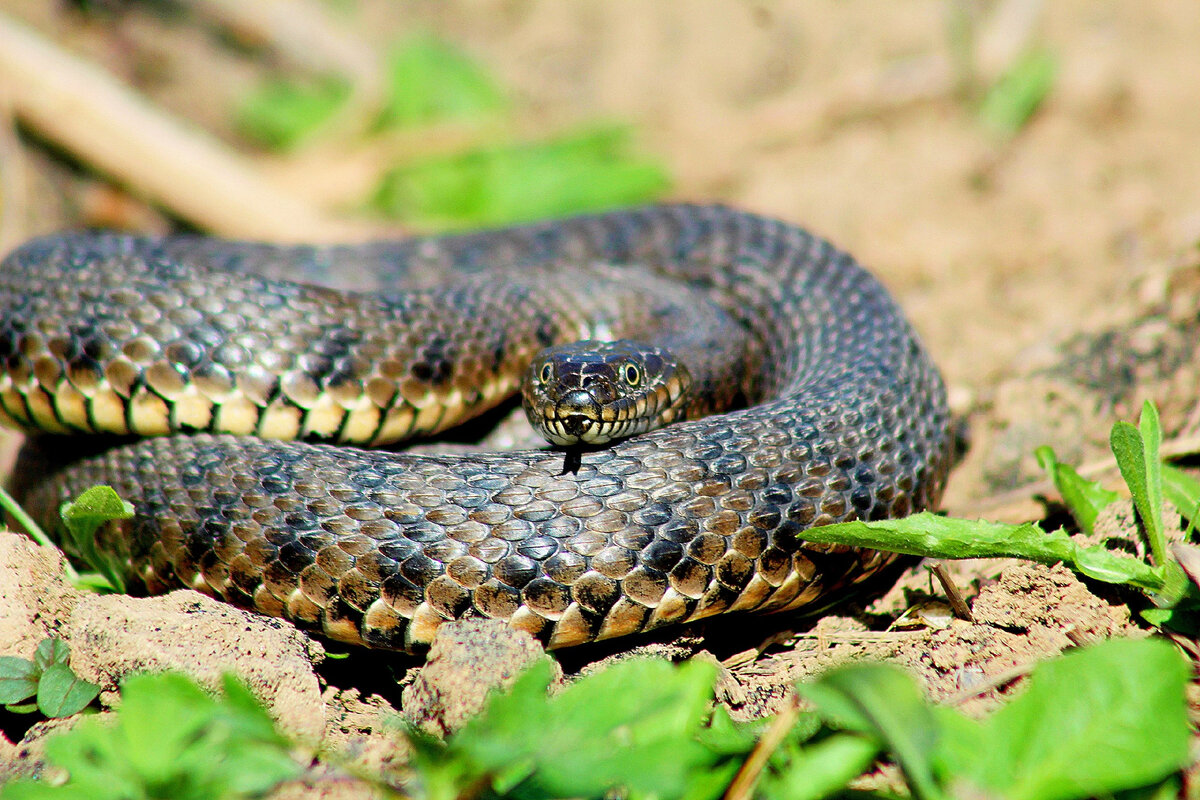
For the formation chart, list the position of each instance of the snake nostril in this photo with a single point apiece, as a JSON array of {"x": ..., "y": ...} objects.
[{"x": 575, "y": 424}]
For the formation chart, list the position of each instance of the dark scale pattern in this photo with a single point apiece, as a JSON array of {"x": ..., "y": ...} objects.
[{"x": 707, "y": 516}]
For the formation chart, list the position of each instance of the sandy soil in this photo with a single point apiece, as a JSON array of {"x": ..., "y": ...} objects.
[{"x": 856, "y": 119}]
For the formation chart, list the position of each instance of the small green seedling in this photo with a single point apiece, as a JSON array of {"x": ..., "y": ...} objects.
[
  {"x": 82, "y": 517},
  {"x": 1013, "y": 100},
  {"x": 1149, "y": 478},
  {"x": 1084, "y": 499},
  {"x": 169, "y": 738},
  {"x": 44, "y": 684}
]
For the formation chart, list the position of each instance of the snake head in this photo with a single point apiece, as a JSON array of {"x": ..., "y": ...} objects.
[{"x": 592, "y": 392}]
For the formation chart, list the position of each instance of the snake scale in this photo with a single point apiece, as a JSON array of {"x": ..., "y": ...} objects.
[{"x": 842, "y": 416}]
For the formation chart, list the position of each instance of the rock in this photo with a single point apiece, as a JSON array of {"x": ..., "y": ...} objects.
[{"x": 467, "y": 661}]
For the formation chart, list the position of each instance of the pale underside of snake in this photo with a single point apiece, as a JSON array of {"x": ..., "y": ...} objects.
[{"x": 222, "y": 352}]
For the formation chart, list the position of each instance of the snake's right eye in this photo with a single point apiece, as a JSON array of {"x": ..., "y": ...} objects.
[
  {"x": 631, "y": 374},
  {"x": 546, "y": 374}
]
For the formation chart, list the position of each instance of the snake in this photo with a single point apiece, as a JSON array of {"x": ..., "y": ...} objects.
[{"x": 247, "y": 399}]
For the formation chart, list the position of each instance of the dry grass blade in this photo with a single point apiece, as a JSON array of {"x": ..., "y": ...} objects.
[{"x": 743, "y": 783}]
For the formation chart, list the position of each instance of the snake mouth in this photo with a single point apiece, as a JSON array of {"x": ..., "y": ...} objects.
[
  {"x": 576, "y": 416},
  {"x": 576, "y": 424}
]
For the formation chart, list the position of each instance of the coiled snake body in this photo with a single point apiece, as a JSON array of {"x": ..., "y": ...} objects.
[{"x": 845, "y": 418}]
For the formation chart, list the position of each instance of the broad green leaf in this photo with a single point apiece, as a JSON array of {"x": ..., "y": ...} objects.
[
  {"x": 18, "y": 679},
  {"x": 282, "y": 113},
  {"x": 605, "y": 733},
  {"x": 608, "y": 730},
  {"x": 157, "y": 748},
  {"x": 431, "y": 80},
  {"x": 724, "y": 736},
  {"x": 169, "y": 738},
  {"x": 1085, "y": 499},
  {"x": 592, "y": 169},
  {"x": 62, "y": 693},
  {"x": 1097, "y": 720},
  {"x": 820, "y": 769},
  {"x": 1182, "y": 491},
  {"x": 51, "y": 650},
  {"x": 883, "y": 702},
  {"x": 500, "y": 736},
  {"x": 1014, "y": 98}
]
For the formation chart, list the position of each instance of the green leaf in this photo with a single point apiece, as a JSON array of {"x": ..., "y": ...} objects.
[
  {"x": 1127, "y": 447},
  {"x": 605, "y": 731},
  {"x": 280, "y": 113},
  {"x": 1182, "y": 491},
  {"x": 18, "y": 679},
  {"x": 1137, "y": 458},
  {"x": 93, "y": 508},
  {"x": 1170, "y": 789},
  {"x": 1085, "y": 499},
  {"x": 51, "y": 650},
  {"x": 62, "y": 693},
  {"x": 821, "y": 769},
  {"x": 1097, "y": 720},
  {"x": 726, "y": 737},
  {"x": 1010, "y": 103},
  {"x": 883, "y": 702},
  {"x": 1184, "y": 620},
  {"x": 665, "y": 715},
  {"x": 931, "y": 536},
  {"x": 588, "y": 170},
  {"x": 169, "y": 738},
  {"x": 82, "y": 517},
  {"x": 21, "y": 708},
  {"x": 431, "y": 80},
  {"x": 1151, "y": 432}
]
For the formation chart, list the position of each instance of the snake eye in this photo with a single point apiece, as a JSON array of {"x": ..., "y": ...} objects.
[
  {"x": 547, "y": 373},
  {"x": 631, "y": 374}
]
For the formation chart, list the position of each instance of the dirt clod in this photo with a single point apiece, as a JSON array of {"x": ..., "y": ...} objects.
[
  {"x": 112, "y": 636},
  {"x": 467, "y": 661},
  {"x": 36, "y": 599}
]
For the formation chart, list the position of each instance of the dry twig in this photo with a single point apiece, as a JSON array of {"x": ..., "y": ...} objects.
[{"x": 104, "y": 123}]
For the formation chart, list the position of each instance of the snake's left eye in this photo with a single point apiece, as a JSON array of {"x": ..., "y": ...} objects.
[
  {"x": 631, "y": 374},
  {"x": 547, "y": 373}
]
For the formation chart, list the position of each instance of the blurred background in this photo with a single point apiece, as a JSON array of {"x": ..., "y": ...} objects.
[{"x": 1007, "y": 167}]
